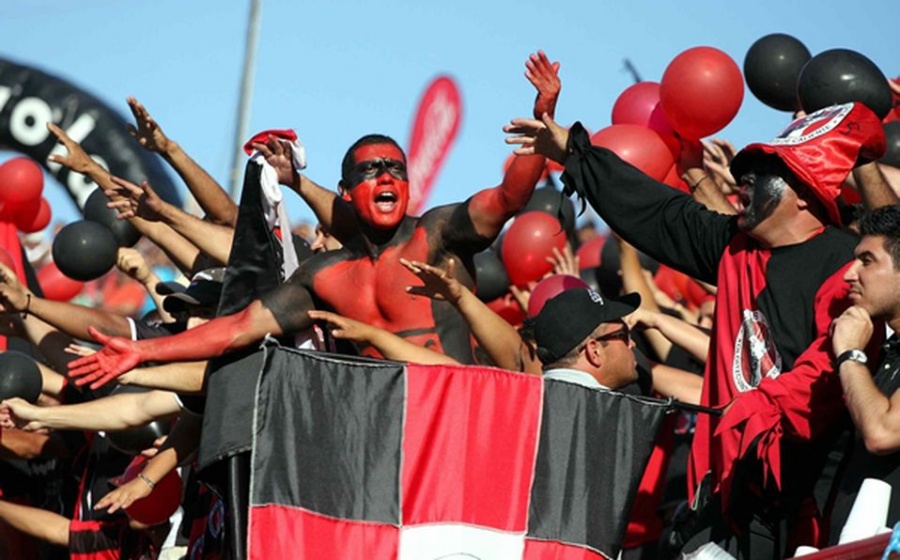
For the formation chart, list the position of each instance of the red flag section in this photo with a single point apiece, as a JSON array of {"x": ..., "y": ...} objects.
[
  {"x": 387, "y": 461},
  {"x": 434, "y": 130}
]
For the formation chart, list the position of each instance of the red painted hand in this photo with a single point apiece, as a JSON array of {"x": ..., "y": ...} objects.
[{"x": 117, "y": 356}]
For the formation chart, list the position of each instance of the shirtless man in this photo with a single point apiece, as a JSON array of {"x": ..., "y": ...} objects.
[{"x": 365, "y": 279}]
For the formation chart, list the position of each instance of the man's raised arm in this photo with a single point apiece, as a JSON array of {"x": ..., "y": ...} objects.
[
  {"x": 489, "y": 209},
  {"x": 217, "y": 204}
]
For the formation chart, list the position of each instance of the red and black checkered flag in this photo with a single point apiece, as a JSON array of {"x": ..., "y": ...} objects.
[{"x": 380, "y": 460}]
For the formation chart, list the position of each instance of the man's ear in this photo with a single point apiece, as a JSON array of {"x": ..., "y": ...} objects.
[
  {"x": 594, "y": 355},
  {"x": 343, "y": 192}
]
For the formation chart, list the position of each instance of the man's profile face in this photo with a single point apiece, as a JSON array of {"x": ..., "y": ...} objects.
[
  {"x": 874, "y": 282},
  {"x": 378, "y": 188},
  {"x": 619, "y": 363},
  {"x": 760, "y": 195}
]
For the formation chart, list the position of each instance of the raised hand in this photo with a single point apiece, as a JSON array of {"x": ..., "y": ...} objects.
[
  {"x": 542, "y": 136},
  {"x": 278, "y": 155},
  {"x": 13, "y": 295},
  {"x": 132, "y": 262},
  {"x": 19, "y": 413},
  {"x": 124, "y": 495},
  {"x": 148, "y": 132},
  {"x": 77, "y": 159},
  {"x": 439, "y": 284},
  {"x": 130, "y": 200},
  {"x": 544, "y": 76},
  {"x": 564, "y": 262},
  {"x": 717, "y": 156},
  {"x": 117, "y": 356}
]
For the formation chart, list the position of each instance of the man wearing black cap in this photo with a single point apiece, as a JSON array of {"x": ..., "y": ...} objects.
[
  {"x": 581, "y": 338},
  {"x": 778, "y": 267}
]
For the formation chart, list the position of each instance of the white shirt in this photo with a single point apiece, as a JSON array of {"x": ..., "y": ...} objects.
[{"x": 575, "y": 376}]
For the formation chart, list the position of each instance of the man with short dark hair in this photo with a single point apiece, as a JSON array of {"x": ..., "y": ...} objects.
[
  {"x": 581, "y": 338},
  {"x": 364, "y": 280},
  {"x": 872, "y": 395}
]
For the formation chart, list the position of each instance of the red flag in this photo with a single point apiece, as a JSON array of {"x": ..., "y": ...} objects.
[
  {"x": 434, "y": 129},
  {"x": 388, "y": 461}
]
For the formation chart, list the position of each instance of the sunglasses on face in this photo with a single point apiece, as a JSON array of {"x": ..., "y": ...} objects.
[
  {"x": 372, "y": 168},
  {"x": 623, "y": 334}
]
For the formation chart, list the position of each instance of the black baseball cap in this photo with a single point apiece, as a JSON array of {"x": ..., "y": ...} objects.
[
  {"x": 204, "y": 289},
  {"x": 571, "y": 316}
]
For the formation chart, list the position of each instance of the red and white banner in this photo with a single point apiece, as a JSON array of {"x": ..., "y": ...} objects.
[{"x": 434, "y": 129}]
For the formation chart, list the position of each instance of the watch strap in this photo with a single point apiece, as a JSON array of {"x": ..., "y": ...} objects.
[{"x": 854, "y": 355}]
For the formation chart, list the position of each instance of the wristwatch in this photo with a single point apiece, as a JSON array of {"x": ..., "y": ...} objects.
[{"x": 854, "y": 355}]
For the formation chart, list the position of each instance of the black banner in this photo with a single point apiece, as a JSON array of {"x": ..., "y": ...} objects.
[{"x": 29, "y": 99}]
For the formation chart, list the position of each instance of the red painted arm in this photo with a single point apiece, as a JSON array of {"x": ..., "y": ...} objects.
[
  {"x": 206, "y": 341},
  {"x": 489, "y": 209}
]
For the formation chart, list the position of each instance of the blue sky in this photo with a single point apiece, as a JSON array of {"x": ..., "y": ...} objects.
[{"x": 335, "y": 70}]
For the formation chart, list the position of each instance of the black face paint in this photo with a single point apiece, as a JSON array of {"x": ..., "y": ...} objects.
[
  {"x": 373, "y": 168},
  {"x": 760, "y": 196}
]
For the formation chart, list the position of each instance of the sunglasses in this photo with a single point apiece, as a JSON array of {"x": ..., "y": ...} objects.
[
  {"x": 623, "y": 334},
  {"x": 372, "y": 168}
]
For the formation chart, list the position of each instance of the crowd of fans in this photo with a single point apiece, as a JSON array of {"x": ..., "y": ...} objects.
[{"x": 759, "y": 296}]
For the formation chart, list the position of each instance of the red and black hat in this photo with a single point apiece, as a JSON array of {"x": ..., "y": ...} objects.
[{"x": 821, "y": 149}]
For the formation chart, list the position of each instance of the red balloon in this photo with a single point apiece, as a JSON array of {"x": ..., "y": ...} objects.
[
  {"x": 21, "y": 180},
  {"x": 589, "y": 253},
  {"x": 56, "y": 285},
  {"x": 674, "y": 180},
  {"x": 508, "y": 308},
  {"x": 38, "y": 221},
  {"x": 639, "y": 104},
  {"x": 162, "y": 501},
  {"x": 639, "y": 146},
  {"x": 701, "y": 91},
  {"x": 527, "y": 245},
  {"x": 549, "y": 288}
]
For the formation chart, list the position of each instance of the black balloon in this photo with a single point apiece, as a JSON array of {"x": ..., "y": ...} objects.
[
  {"x": 840, "y": 76},
  {"x": 892, "y": 137},
  {"x": 84, "y": 250},
  {"x": 19, "y": 377},
  {"x": 548, "y": 199},
  {"x": 135, "y": 440},
  {"x": 95, "y": 210},
  {"x": 490, "y": 276},
  {"x": 771, "y": 68}
]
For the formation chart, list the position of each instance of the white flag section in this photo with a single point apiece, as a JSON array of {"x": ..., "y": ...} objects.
[{"x": 459, "y": 542}]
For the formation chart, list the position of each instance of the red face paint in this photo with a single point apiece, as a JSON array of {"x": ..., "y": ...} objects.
[{"x": 380, "y": 194}]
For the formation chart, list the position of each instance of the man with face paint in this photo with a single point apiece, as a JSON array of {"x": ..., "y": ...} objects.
[
  {"x": 364, "y": 280},
  {"x": 778, "y": 265}
]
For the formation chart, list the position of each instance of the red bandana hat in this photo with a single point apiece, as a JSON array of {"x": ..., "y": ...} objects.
[{"x": 822, "y": 149}]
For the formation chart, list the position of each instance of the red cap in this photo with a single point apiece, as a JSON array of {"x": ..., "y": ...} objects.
[
  {"x": 263, "y": 137},
  {"x": 821, "y": 149}
]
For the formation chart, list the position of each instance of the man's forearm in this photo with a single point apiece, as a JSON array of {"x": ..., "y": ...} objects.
[
  {"x": 211, "y": 197},
  {"x": 332, "y": 212},
  {"x": 40, "y": 523},
  {"x": 116, "y": 412},
  {"x": 869, "y": 408},
  {"x": 74, "y": 320},
  {"x": 212, "y": 239},
  {"x": 181, "y": 377}
]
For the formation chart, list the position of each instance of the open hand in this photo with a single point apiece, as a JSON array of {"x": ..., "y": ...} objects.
[
  {"x": 117, "y": 356},
  {"x": 343, "y": 327},
  {"x": 544, "y": 76},
  {"x": 439, "y": 284},
  {"x": 77, "y": 159},
  {"x": 125, "y": 495},
  {"x": 148, "y": 132},
  {"x": 130, "y": 200},
  {"x": 542, "y": 136}
]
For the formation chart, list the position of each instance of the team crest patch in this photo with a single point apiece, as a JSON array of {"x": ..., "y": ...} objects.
[
  {"x": 755, "y": 355},
  {"x": 817, "y": 124}
]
